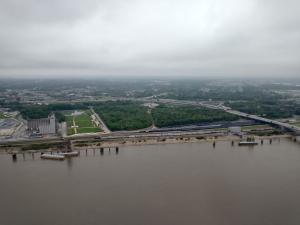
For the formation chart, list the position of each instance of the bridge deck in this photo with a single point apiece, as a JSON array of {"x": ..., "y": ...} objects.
[{"x": 265, "y": 120}]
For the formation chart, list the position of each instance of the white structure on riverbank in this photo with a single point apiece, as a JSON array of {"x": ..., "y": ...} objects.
[
  {"x": 43, "y": 126},
  {"x": 235, "y": 130}
]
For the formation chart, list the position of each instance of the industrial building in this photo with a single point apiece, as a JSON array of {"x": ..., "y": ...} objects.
[{"x": 42, "y": 126}]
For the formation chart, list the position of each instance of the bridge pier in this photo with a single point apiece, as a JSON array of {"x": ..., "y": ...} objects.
[{"x": 14, "y": 157}]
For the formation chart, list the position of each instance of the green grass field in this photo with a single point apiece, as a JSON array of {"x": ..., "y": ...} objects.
[
  {"x": 254, "y": 127},
  {"x": 5, "y": 115},
  {"x": 69, "y": 120},
  {"x": 88, "y": 130},
  {"x": 83, "y": 123},
  {"x": 296, "y": 123},
  {"x": 2, "y": 115}
]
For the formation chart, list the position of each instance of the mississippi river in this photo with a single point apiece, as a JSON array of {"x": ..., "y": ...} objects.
[{"x": 175, "y": 184}]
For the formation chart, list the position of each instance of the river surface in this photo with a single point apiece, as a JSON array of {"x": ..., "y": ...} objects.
[{"x": 175, "y": 184}]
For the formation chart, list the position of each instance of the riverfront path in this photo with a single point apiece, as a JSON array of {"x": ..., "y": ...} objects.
[{"x": 102, "y": 124}]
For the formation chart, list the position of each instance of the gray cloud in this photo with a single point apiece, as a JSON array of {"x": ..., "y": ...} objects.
[{"x": 141, "y": 37}]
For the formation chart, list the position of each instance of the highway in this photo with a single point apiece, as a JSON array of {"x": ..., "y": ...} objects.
[
  {"x": 289, "y": 127},
  {"x": 265, "y": 120}
]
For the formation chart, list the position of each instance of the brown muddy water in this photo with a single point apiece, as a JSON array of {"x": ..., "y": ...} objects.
[{"x": 175, "y": 184}]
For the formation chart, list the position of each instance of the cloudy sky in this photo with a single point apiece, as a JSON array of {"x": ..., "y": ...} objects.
[{"x": 144, "y": 38}]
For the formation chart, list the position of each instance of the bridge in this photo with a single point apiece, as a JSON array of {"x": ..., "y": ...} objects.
[{"x": 286, "y": 126}]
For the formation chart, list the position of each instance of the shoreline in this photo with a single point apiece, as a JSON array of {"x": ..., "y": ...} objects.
[
  {"x": 78, "y": 145},
  {"x": 152, "y": 141}
]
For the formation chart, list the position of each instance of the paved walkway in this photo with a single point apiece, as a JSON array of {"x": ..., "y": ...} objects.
[{"x": 102, "y": 124}]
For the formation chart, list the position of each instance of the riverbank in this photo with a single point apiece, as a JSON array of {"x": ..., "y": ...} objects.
[
  {"x": 169, "y": 140},
  {"x": 120, "y": 141}
]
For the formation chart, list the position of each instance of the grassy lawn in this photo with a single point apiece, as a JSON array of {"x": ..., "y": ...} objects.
[
  {"x": 83, "y": 123},
  {"x": 84, "y": 120},
  {"x": 88, "y": 130},
  {"x": 5, "y": 115},
  {"x": 2, "y": 115},
  {"x": 245, "y": 128},
  {"x": 296, "y": 123},
  {"x": 71, "y": 131},
  {"x": 69, "y": 120}
]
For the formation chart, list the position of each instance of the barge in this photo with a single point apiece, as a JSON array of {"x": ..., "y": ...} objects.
[
  {"x": 243, "y": 143},
  {"x": 53, "y": 156},
  {"x": 69, "y": 154}
]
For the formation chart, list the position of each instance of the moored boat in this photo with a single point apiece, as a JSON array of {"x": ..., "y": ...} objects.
[
  {"x": 241, "y": 143},
  {"x": 53, "y": 156},
  {"x": 69, "y": 154}
]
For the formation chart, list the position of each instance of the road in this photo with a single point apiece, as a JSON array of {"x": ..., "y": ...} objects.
[
  {"x": 286, "y": 126},
  {"x": 102, "y": 124},
  {"x": 265, "y": 120}
]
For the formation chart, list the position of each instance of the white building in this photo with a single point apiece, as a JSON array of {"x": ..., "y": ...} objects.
[
  {"x": 43, "y": 126},
  {"x": 235, "y": 130}
]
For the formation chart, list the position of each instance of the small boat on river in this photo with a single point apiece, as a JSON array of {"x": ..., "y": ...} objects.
[
  {"x": 242, "y": 143},
  {"x": 53, "y": 156},
  {"x": 69, "y": 154}
]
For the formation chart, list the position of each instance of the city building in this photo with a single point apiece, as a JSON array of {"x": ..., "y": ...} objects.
[{"x": 43, "y": 126}]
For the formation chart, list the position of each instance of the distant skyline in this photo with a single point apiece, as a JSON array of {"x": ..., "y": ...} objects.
[{"x": 103, "y": 38}]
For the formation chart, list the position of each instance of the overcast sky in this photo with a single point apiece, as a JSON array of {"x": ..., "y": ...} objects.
[{"x": 149, "y": 37}]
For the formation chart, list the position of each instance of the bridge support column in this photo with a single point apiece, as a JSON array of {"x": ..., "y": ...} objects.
[{"x": 14, "y": 157}]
